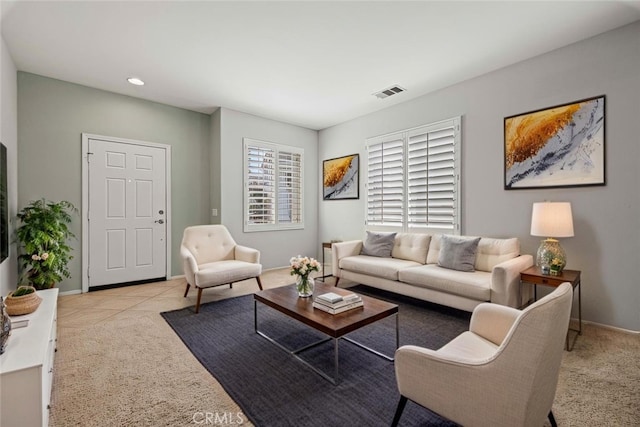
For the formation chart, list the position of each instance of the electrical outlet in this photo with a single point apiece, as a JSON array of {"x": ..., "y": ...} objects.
[{"x": 214, "y": 212}]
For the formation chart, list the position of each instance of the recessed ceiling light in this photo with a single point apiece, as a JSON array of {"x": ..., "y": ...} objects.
[{"x": 135, "y": 81}]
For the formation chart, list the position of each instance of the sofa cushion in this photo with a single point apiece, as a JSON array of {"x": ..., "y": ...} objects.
[
  {"x": 434, "y": 249},
  {"x": 378, "y": 244},
  {"x": 458, "y": 253},
  {"x": 223, "y": 272},
  {"x": 386, "y": 268},
  {"x": 476, "y": 285},
  {"x": 411, "y": 246},
  {"x": 492, "y": 252},
  {"x": 469, "y": 345}
]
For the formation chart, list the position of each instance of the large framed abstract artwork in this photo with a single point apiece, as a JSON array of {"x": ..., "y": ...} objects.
[
  {"x": 340, "y": 178},
  {"x": 561, "y": 146}
]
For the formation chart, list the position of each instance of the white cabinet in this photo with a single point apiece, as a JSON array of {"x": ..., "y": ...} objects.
[{"x": 26, "y": 367}]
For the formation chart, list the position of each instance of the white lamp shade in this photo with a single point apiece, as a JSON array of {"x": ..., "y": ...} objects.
[{"x": 552, "y": 219}]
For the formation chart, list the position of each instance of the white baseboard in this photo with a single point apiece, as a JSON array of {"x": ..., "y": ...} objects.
[
  {"x": 73, "y": 292},
  {"x": 613, "y": 328},
  {"x": 181, "y": 276},
  {"x": 276, "y": 268}
]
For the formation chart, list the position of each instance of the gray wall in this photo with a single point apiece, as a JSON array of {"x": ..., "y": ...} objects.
[
  {"x": 9, "y": 137},
  {"x": 606, "y": 246},
  {"x": 276, "y": 247},
  {"x": 215, "y": 165},
  {"x": 53, "y": 114}
]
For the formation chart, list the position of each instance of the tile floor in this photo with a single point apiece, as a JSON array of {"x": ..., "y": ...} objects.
[{"x": 83, "y": 310}]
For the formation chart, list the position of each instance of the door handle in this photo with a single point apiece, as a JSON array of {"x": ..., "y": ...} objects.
[{"x": 160, "y": 221}]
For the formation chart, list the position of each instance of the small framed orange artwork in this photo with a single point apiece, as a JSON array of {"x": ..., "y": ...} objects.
[
  {"x": 340, "y": 178},
  {"x": 561, "y": 146}
]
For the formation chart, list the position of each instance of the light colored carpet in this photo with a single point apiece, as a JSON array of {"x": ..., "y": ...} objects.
[
  {"x": 132, "y": 370},
  {"x": 600, "y": 380}
]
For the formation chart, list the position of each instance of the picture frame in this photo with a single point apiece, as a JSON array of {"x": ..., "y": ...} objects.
[
  {"x": 556, "y": 147},
  {"x": 341, "y": 178},
  {"x": 4, "y": 205}
]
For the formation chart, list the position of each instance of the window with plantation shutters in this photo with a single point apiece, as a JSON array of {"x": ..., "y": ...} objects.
[
  {"x": 413, "y": 179},
  {"x": 385, "y": 192},
  {"x": 273, "y": 186}
]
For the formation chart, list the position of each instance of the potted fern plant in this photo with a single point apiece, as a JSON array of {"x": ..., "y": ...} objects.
[{"x": 43, "y": 237}]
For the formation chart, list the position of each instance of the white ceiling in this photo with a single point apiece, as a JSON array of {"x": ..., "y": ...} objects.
[{"x": 313, "y": 64}]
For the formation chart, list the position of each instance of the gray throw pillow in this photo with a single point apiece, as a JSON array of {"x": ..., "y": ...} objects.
[
  {"x": 458, "y": 253},
  {"x": 378, "y": 244}
]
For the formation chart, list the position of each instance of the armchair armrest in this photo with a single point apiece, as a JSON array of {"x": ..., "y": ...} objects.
[
  {"x": 469, "y": 380},
  {"x": 341, "y": 250},
  {"x": 493, "y": 322},
  {"x": 505, "y": 281},
  {"x": 189, "y": 264},
  {"x": 243, "y": 253}
]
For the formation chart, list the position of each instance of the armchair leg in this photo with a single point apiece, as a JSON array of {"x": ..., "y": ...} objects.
[
  {"x": 337, "y": 280},
  {"x": 259, "y": 282},
  {"x": 186, "y": 291},
  {"x": 401, "y": 404},
  {"x": 230, "y": 285},
  {"x": 198, "y": 302},
  {"x": 552, "y": 419}
]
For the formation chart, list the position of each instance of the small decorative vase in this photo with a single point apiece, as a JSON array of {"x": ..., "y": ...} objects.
[
  {"x": 5, "y": 326},
  {"x": 304, "y": 285}
]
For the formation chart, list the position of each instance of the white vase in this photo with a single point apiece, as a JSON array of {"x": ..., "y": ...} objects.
[{"x": 304, "y": 285}]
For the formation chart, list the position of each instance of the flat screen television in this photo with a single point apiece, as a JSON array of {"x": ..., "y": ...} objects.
[{"x": 4, "y": 205}]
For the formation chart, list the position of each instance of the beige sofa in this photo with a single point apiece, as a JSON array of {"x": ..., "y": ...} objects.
[{"x": 413, "y": 270}]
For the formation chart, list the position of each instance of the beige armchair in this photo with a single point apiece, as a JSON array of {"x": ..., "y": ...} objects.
[
  {"x": 502, "y": 372},
  {"x": 211, "y": 258}
]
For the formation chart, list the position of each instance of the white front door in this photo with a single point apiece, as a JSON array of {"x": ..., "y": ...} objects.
[{"x": 127, "y": 206}]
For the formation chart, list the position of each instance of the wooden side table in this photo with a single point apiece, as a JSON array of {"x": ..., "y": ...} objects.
[
  {"x": 534, "y": 276},
  {"x": 325, "y": 245}
]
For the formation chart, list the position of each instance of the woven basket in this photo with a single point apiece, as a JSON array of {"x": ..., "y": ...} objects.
[{"x": 25, "y": 304}]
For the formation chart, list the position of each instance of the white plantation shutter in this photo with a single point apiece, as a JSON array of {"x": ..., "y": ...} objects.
[
  {"x": 385, "y": 175},
  {"x": 289, "y": 187},
  {"x": 260, "y": 185},
  {"x": 413, "y": 179},
  {"x": 273, "y": 186},
  {"x": 432, "y": 182}
]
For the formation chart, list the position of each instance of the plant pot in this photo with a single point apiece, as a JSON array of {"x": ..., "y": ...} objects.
[{"x": 24, "y": 304}]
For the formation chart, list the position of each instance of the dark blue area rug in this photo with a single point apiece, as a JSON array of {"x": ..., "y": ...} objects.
[{"x": 275, "y": 389}]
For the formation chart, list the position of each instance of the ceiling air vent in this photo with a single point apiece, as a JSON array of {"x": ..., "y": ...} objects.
[{"x": 389, "y": 91}]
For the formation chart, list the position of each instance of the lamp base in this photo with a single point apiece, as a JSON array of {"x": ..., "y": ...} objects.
[{"x": 551, "y": 258}]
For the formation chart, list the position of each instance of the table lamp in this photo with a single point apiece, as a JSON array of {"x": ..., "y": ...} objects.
[{"x": 551, "y": 220}]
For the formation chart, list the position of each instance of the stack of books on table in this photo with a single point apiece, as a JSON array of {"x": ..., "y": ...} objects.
[{"x": 333, "y": 303}]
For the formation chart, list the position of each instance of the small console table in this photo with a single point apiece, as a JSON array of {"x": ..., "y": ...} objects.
[
  {"x": 325, "y": 245},
  {"x": 534, "y": 276}
]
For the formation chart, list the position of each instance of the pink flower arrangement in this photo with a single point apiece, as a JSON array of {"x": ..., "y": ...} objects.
[{"x": 302, "y": 266}]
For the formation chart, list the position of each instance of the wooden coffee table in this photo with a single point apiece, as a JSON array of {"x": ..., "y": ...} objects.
[{"x": 336, "y": 326}]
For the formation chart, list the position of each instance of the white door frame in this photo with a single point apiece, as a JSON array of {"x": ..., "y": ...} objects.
[{"x": 85, "y": 198}]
